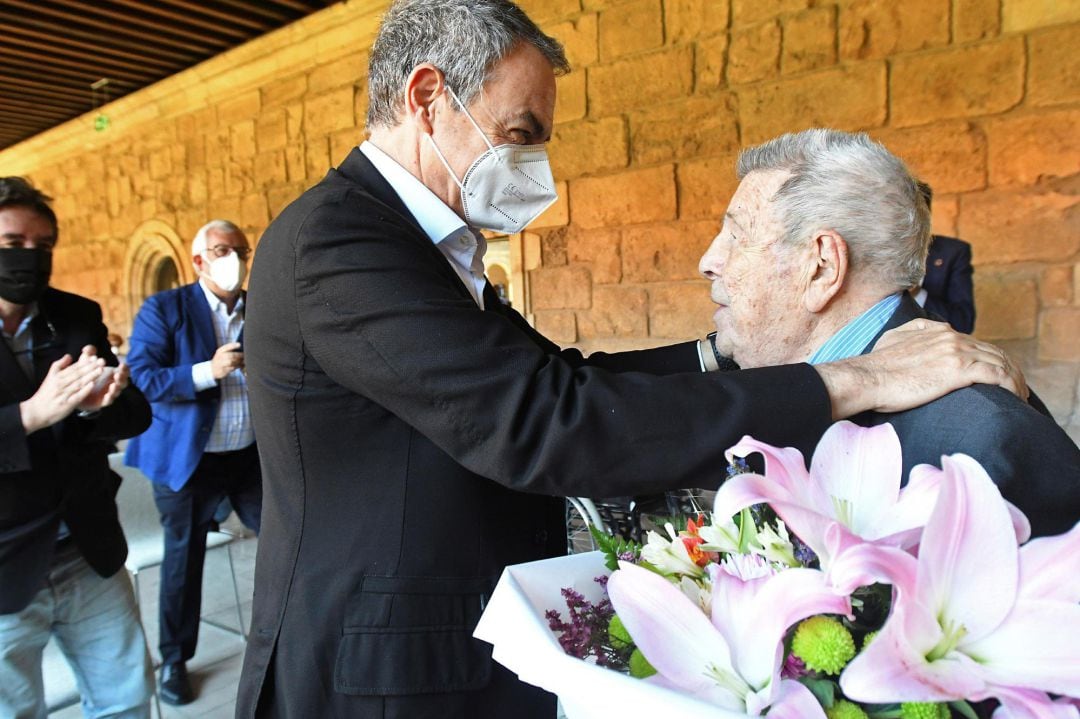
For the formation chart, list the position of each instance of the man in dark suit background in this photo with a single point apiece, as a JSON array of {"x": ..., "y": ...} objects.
[
  {"x": 187, "y": 358},
  {"x": 62, "y": 549},
  {"x": 416, "y": 433},
  {"x": 947, "y": 290},
  {"x": 824, "y": 234}
]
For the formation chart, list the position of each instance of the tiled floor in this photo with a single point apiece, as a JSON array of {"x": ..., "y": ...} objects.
[{"x": 215, "y": 670}]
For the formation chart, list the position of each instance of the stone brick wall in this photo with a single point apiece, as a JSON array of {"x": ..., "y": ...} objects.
[{"x": 981, "y": 97}]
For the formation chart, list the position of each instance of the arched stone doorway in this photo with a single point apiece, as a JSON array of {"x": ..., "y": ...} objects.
[{"x": 157, "y": 259}]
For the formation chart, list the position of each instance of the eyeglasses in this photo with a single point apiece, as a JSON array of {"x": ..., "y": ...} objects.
[{"x": 224, "y": 250}]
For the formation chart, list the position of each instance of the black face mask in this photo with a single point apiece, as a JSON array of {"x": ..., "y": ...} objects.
[{"x": 24, "y": 274}]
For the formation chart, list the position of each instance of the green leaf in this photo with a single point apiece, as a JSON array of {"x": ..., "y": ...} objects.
[
  {"x": 824, "y": 690},
  {"x": 964, "y": 709},
  {"x": 616, "y": 630},
  {"x": 639, "y": 665}
]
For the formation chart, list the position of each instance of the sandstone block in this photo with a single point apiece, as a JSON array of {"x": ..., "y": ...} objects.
[
  {"x": 1054, "y": 69},
  {"x": 710, "y": 61},
  {"x": 615, "y": 312},
  {"x": 1024, "y": 150},
  {"x": 980, "y": 79},
  {"x": 254, "y": 211},
  {"x": 237, "y": 108},
  {"x": 706, "y": 187},
  {"x": 623, "y": 199},
  {"x": 271, "y": 130},
  {"x": 270, "y": 168},
  {"x": 342, "y": 71},
  {"x": 693, "y": 128},
  {"x": 630, "y": 28},
  {"x": 1020, "y": 15},
  {"x": 1007, "y": 305},
  {"x": 1020, "y": 226},
  {"x": 689, "y": 19},
  {"x": 360, "y": 104},
  {"x": 553, "y": 247},
  {"x": 294, "y": 121},
  {"x": 600, "y": 251},
  {"x": 1059, "y": 334},
  {"x": 809, "y": 40},
  {"x": 945, "y": 212},
  {"x": 951, "y": 156},
  {"x": 871, "y": 30},
  {"x": 161, "y": 165},
  {"x": 579, "y": 39},
  {"x": 284, "y": 91},
  {"x": 317, "y": 156},
  {"x": 641, "y": 81},
  {"x": 560, "y": 288},
  {"x": 278, "y": 198},
  {"x": 680, "y": 310},
  {"x": 544, "y": 11},
  {"x": 570, "y": 102},
  {"x": 342, "y": 143},
  {"x": 588, "y": 147},
  {"x": 559, "y": 326},
  {"x": 242, "y": 140},
  {"x": 328, "y": 112},
  {"x": 848, "y": 97},
  {"x": 558, "y": 215},
  {"x": 215, "y": 182},
  {"x": 295, "y": 162},
  {"x": 754, "y": 53},
  {"x": 975, "y": 20},
  {"x": 664, "y": 253},
  {"x": 1056, "y": 286},
  {"x": 744, "y": 12}
]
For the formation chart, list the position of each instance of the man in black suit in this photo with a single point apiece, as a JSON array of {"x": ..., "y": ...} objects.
[
  {"x": 823, "y": 235},
  {"x": 947, "y": 290},
  {"x": 416, "y": 434},
  {"x": 61, "y": 547}
]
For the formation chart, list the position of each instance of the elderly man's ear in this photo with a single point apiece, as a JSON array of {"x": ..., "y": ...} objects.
[{"x": 829, "y": 255}]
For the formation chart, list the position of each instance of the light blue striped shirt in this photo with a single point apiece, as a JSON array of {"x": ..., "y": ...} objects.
[{"x": 853, "y": 337}]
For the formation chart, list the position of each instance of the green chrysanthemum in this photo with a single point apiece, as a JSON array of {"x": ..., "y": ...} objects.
[
  {"x": 924, "y": 710},
  {"x": 824, "y": 644},
  {"x": 870, "y": 636},
  {"x": 844, "y": 709}
]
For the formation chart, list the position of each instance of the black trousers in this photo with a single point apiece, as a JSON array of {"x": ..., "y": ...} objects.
[{"x": 186, "y": 515}]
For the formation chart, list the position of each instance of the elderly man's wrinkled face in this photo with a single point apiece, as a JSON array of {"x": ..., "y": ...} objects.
[{"x": 757, "y": 281}]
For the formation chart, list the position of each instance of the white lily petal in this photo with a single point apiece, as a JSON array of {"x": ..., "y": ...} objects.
[
  {"x": 794, "y": 701},
  {"x": 1050, "y": 567}
]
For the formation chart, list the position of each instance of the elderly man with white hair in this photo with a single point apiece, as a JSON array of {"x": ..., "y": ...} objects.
[
  {"x": 186, "y": 356},
  {"x": 819, "y": 243}
]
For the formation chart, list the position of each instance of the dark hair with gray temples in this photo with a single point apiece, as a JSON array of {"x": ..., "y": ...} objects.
[
  {"x": 18, "y": 192},
  {"x": 850, "y": 184},
  {"x": 463, "y": 38}
]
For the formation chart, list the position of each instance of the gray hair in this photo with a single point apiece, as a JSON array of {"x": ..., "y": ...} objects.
[
  {"x": 463, "y": 38},
  {"x": 850, "y": 184},
  {"x": 198, "y": 245}
]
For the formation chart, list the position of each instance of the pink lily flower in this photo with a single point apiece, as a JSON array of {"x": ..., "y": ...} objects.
[
  {"x": 850, "y": 496},
  {"x": 732, "y": 660},
  {"x": 975, "y": 616}
]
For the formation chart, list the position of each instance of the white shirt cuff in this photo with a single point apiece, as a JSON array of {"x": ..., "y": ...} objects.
[
  {"x": 700, "y": 359},
  {"x": 202, "y": 375}
]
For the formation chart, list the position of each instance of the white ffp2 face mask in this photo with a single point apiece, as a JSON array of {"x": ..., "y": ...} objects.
[
  {"x": 506, "y": 187},
  {"x": 228, "y": 272}
]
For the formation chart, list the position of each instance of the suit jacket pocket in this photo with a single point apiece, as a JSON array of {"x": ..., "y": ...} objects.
[{"x": 413, "y": 635}]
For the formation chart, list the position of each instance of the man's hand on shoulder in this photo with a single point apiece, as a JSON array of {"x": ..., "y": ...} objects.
[{"x": 914, "y": 364}]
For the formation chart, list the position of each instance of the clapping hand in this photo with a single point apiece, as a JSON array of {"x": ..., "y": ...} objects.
[
  {"x": 108, "y": 386},
  {"x": 66, "y": 387}
]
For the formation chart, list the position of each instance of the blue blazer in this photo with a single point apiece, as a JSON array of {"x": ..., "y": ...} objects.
[{"x": 173, "y": 331}]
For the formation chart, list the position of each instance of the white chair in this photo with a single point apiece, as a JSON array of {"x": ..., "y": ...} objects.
[{"x": 141, "y": 521}]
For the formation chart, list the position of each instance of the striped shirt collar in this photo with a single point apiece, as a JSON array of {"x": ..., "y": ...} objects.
[{"x": 854, "y": 337}]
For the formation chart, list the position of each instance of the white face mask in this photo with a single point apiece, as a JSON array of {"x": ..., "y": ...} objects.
[
  {"x": 228, "y": 272},
  {"x": 507, "y": 187}
]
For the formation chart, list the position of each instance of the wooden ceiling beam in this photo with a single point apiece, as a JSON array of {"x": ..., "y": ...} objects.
[
  {"x": 83, "y": 13},
  {"x": 89, "y": 55},
  {"x": 72, "y": 36},
  {"x": 77, "y": 71},
  {"x": 239, "y": 16}
]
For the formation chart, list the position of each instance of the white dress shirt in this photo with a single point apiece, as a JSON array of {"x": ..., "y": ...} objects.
[{"x": 232, "y": 428}]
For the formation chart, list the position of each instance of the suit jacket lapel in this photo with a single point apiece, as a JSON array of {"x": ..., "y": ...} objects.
[
  {"x": 16, "y": 385},
  {"x": 907, "y": 310},
  {"x": 198, "y": 309},
  {"x": 358, "y": 169}
]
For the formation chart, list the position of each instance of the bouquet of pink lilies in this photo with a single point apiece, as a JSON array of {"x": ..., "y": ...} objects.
[{"x": 836, "y": 593}]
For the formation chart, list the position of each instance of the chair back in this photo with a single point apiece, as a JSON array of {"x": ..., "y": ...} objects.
[{"x": 139, "y": 516}]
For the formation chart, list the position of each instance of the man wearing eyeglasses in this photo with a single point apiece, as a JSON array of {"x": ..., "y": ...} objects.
[
  {"x": 63, "y": 401},
  {"x": 187, "y": 357}
]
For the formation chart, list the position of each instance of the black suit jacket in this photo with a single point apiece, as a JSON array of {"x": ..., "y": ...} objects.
[
  {"x": 413, "y": 445},
  {"x": 1031, "y": 459},
  {"x": 948, "y": 285},
  {"x": 61, "y": 472}
]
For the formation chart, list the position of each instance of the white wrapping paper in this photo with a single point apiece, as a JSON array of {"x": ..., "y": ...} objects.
[{"x": 514, "y": 624}]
